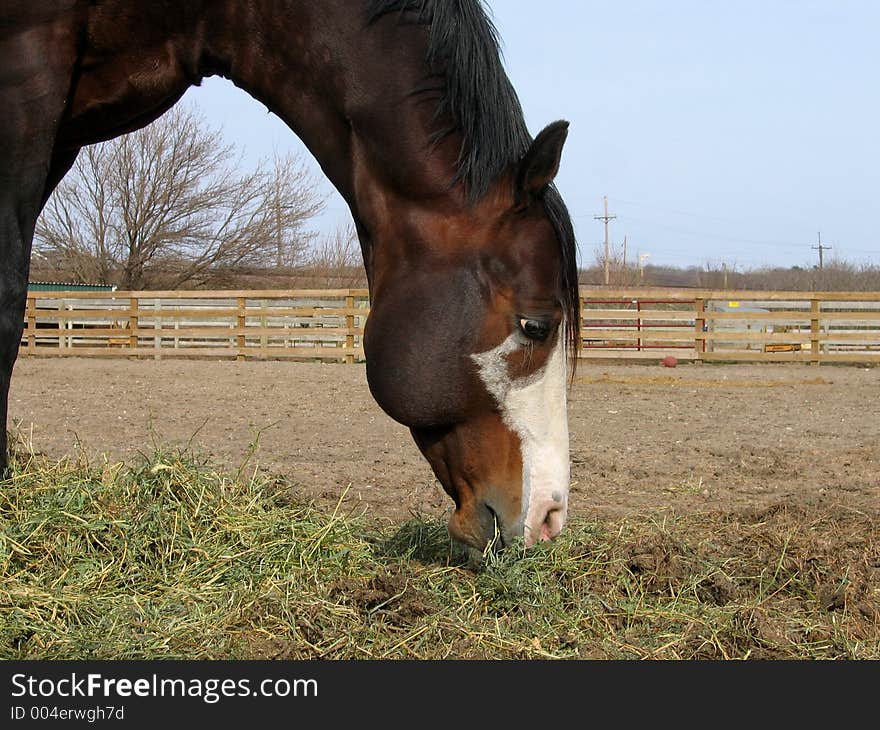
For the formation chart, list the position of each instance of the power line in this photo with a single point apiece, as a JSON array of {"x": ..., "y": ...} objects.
[
  {"x": 691, "y": 214},
  {"x": 718, "y": 236},
  {"x": 673, "y": 211},
  {"x": 742, "y": 243}
]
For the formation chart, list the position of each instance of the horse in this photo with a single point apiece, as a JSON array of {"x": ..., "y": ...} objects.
[{"x": 468, "y": 247}]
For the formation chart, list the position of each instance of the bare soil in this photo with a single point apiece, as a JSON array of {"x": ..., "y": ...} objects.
[{"x": 645, "y": 440}]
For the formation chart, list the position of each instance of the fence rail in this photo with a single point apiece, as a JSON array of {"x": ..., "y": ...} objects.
[
  {"x": 731, "y": 325},
  {"x": 328, "y": 324},
  {"x": 323, "y": 324}
]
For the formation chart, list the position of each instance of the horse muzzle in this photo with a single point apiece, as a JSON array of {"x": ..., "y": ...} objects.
[{"x": 480, "y": 526}]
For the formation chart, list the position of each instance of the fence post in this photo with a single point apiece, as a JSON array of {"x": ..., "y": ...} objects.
[
  {"x": 133, "y": 323},
  {"x": 264, "y": 324},
  {"x": 639, "y": 325},
  {"x": 814, "y": 331},
  {"x": 349, "y": 323},
  {"x": 31, "y": 323},
  {"x": 242, "y": 323},
  {"x": 699, "y": 322},
  {"x": 62, "y": 323},
  {"x": 580, "y": 341},
  {"x": 157, "y": 325},
  {"x": 69, "y": 320}
]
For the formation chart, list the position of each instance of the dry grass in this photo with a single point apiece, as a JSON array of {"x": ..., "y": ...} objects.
[{"x": 171, "y": 559}]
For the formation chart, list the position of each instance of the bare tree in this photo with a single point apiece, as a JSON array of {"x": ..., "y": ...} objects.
[
  {"x": 292, "y": 201},
  {"x": 166, "y": 204},
  {"x": 335, "y": 260},
  {"x": 621, "y": 272},
  {"x": 337, "y": 250}
]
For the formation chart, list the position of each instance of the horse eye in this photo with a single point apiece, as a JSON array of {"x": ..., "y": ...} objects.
[{"x": 535, "y": 329}]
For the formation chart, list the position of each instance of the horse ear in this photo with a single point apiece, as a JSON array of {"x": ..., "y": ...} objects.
[{"x": 540, "y": 163}]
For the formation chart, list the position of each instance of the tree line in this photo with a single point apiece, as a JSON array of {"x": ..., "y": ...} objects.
[{"x": 836, "y": 275}]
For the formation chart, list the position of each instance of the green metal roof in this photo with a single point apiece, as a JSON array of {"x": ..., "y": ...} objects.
[{"x": 67, "y": 286}]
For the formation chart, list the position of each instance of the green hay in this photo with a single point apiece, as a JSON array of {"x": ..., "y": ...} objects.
[{"x": 171, "y": 559}]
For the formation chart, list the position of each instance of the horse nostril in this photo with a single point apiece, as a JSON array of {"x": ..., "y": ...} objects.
[
  {"x": 548, "y": 528},
  {"x": 553, "y": 523}
]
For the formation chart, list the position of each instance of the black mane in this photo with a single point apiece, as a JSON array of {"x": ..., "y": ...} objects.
[{"x": 478, "y": 95}]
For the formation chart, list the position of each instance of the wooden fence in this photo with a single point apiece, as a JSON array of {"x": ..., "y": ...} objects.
[
  {"x": 734, "y": 326},
  {"x": 322, "y": 324},
  {"x": 328, "y": 324}
]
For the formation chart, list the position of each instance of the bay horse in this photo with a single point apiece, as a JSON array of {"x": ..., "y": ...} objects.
[{"x": 468, "y": 247}]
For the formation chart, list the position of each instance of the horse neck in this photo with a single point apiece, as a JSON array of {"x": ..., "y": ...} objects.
[{"x": 346, "y": 89}]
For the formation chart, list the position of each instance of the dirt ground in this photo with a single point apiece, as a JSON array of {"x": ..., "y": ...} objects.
[{"x": 644, "y": 439}]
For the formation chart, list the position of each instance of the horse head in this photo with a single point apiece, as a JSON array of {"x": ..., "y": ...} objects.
[{"x": 468, "y": 347}]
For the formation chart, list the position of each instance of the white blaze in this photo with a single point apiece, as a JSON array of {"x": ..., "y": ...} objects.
[{"x": 534, "y": 408}]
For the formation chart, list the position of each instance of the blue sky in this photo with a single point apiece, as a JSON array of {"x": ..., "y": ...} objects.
[{"x": 721, "y": 132}]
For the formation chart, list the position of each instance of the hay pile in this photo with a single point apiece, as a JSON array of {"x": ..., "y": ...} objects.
[{"x": 171, "y": 559}]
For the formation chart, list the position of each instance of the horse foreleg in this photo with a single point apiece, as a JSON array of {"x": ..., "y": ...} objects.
[
  {"x": 23, "y": 191},
  {"x": 22, "y": 196},
  {"x": 15, "y": 248},
  {"x": 35, "y": 78},
  {"x": 18, "y": 215}
]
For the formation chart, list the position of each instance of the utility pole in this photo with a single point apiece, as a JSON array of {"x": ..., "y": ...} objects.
[
  {"x": 606, "y": 218},
  {"x": 820, "y": 248},
  {"x": 279, "y": 241}
]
